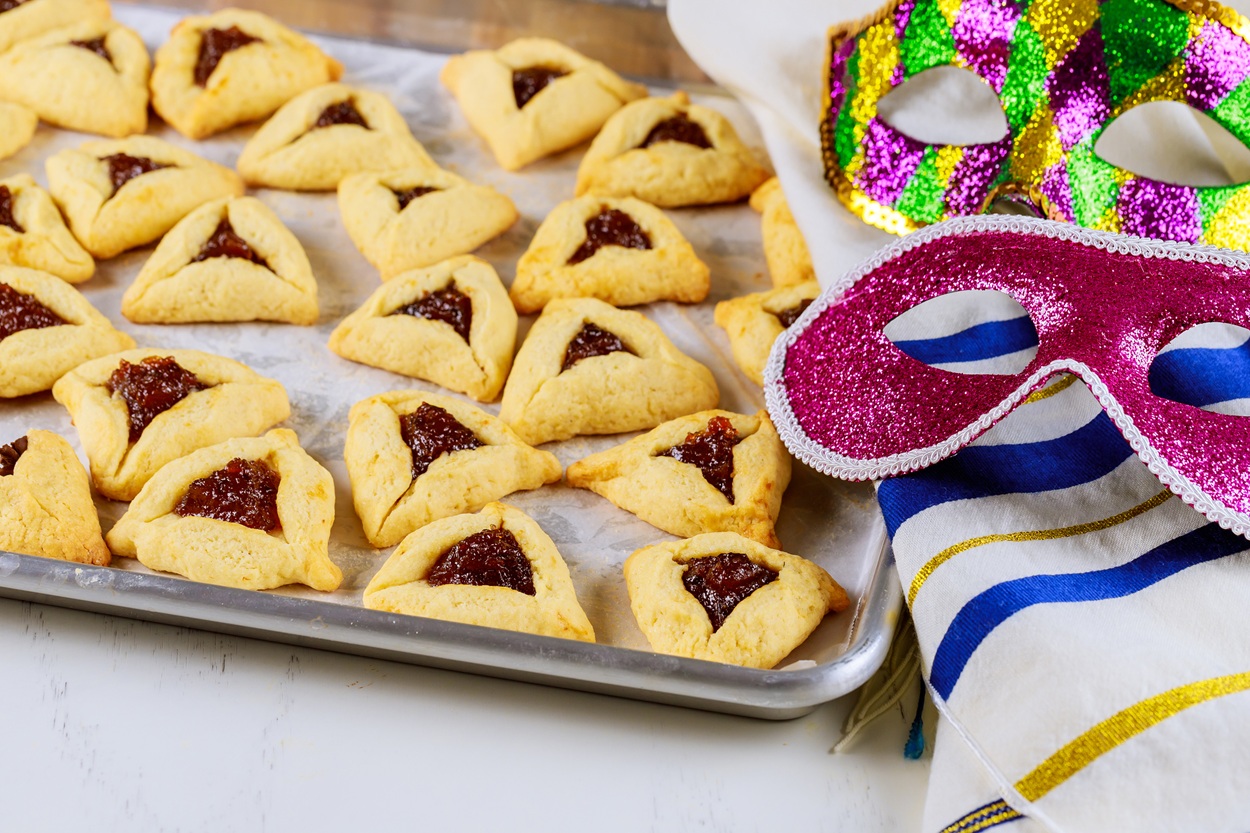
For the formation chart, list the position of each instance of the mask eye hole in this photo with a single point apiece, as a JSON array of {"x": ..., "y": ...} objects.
[
  {"x": 1172, "y": 142},
  {"x": 945, "y": 106},
  {"x": 1208, "y": 367},
  {"x": 975, "y": 332}
]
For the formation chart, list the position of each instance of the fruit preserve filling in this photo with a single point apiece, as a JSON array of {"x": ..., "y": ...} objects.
[
  {"x": 123, "y": 167},
  {"x": 7, "y": 5},
  {"x": 10, "y": 454},
  {"x": 244, "y": 492},
  {"x": 712, "y": 452},
  {"x": 6, "y": 210},
  {"x": 225, "y": 243},
  {"x": 431, "y": 432},
  {"x": 19, "y": 311},
  {"x": 490, "y": 558},
  {"x": 529, "y": 82},
  {"x": 151, "y": 387},
  {"x": 787, "y": 317},
  {"x": 95, "y": 45},
  {"x": 679, "y": 128},
  {"x": 449, "y": 305},
  {"x": 406, "y": 196},
  {"x": 610, "y": 227},
  {"x": 342, "y": 112},
  {"x": 214, "y": 44},
  {"x": 721, "y": 582},
  {"x": 590, "y": 342}
]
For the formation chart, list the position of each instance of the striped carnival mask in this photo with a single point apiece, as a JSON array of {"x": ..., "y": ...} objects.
[
  {"x": 848, "y": 402},
  {"x": 1063, "y": 70}
]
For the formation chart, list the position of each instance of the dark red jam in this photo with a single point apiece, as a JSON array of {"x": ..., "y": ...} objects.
[
  {"x": 225, "y": 243},
  {"x": 10, "y": 454},
  {"x": 590, "y": 342},
  {"x": 123, "y": 167},
  {"x": 19, "y": 311},
  {"x": 7, "y": 5},
  {"x": 721, "y": 582},
  {"x": 712, "y": 451},
  {"x": 244, "y": 492},
  {"x": 679, "y": 128},
  {"x": 610, "y": 228},
  {"x": 449, "y": 305},
  {"x": 343, "y": 112},
  {"x": 787, "y": 317},
  {"x": 150, "y": 388},
  {"x": 529, "y": 82},
  {"x": 214, "y": 44},
  {"x": 431, "y": 432},
  {"x": 411, "y": 194},
  {"x": 96, "y": 45},
  {"x": 6, "y": 210},
  {"x": 490, "y": 558}
]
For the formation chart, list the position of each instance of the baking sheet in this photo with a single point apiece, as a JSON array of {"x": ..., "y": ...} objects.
[{"x": 834, "y": 524}]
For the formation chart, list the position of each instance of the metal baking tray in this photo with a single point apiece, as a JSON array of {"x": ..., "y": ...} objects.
[{"x": 838, "y": 525}]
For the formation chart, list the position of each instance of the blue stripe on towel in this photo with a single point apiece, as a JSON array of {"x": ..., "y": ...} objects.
[
  {"x": 1086, "y": 454},
  {"x": 980, "y": 616},
  {"x": 981, "y": 341},
  {"x": 1202, "y": 376}
]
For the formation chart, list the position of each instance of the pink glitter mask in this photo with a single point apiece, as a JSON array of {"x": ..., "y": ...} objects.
[{"x": 850, "y": 403}]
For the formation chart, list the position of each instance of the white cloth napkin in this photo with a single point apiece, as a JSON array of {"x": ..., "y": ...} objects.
[{"x": 1091, "y": 634}]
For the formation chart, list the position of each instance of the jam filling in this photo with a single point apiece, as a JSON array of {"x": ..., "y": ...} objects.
[
  {"x": 244, "y": 492},
  {"x": 214, "y": 44},
  {"x": 6, "y": 210},
  {"x": 591, "y": 342},
  {"x": 411, "y": 194},
  {"x": 721, "y": 582},
  {"x": 431, "y": 432},
  {"x": 610, "y": 228},
  {"x": 787, "y": 317},
  {"x": 123, "y": 167},
  {"x": 225, "y": 243},
  {"x": 9, "y": 455},
  {"x": 529, "y": 82},
  {"x": 150, "y": 388},
  {"x": 712, "y": 451},
  {"x": 449, "y": 305},
  {"x": 490, "y": 558},
  {"x": 7, "y": 5},
  {"x": 19, "y": 311},
  {"x": 679, "y": 128},
  {"x": 344, "y": 112},
  {"x": 97, "y": 46}
]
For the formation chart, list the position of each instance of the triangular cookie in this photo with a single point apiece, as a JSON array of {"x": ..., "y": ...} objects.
[
  {"x": 534, "y": 97},
  {"x": 252, "y": 513},
  {"x": 229, "y": 260},
  {"x": 789, "y": 261},
  {"x": 91, "y": 76},
  {"x": 753, "y": 323},
  {"x": 122, "y": 193},
  {"x": 451, "y": 324},
  {"x": 709, "y": 472},
  {"x": 33, "y": 233},
  {"x": 496, "y": 568},
  {"x": 230, "y": 67},
  {"x": 45, "y": 501},
  {"x": 589, "y": 368},
  {"x": 136, "y": 411},
  {"x": 622, "y": 251},
  {"x": 402, "y": 220},
  {"x": 47, "y": 328},
  {"x": 724, "y": 598},
  {"x": 17, "y": 128},
  {"x": 416, "y": 457},
  {"x": 31, "y": 18},
  {"x": 325, "y": 134},
  {"x": 671, "y": 153}
]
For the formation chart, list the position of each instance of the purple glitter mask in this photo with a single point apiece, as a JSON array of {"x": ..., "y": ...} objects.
[{"x": 850, "y": 403}]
